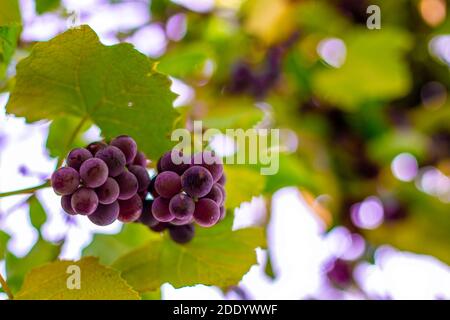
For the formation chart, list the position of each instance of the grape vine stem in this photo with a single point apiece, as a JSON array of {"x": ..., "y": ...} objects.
[
  {"x": 46, "y": 184},
  {"x": 72, "y": 139},
  {"x": 6, "y": 287}
]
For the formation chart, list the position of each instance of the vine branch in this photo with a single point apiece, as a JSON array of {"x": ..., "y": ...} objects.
[
  {"x": 26, "y": 190},
  {"x": 6, "y": 287}
]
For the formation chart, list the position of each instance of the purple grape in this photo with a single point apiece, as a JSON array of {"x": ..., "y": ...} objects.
[
  {"x": 161, "y": 226},
  {"x": 151, "y": 188},
  {"x": 65, "y": 181},
  {"x": 182, "y": 222},
  {"x": 142, "y": 177},
  {"x": 114, "y": 159},
  {"x": 143, "y": 194},
  {"x": 340, "y": 273},
  {"x": 94, "y": 172},
  {"x": 224, "y": 194},
  {"x": 211, "y": 162},
  {"x": 216, "y": 194},
  {"x": 149, "y": 220},
  {"x": 222, "y": 180},
  {"x": 127, "y": 145},
  {"x": 166, "y": 163},
  {"x": 66, "y": 204},
  {"x": 108, "y": 192},
  {"x": 182, "y": 206},
  {"x": 223, "y": 213},
  {"x": 95, "y": 147},
  {"x": 128, "y": 185},
  {"x": 140, "y": 159},
  {"x": 206, "y": 212},
  {"x": 84, "y": 201},
  {"x": 197, "y": 181},
  {"x": 160, "y": 210},
  {"x": 182, "y": 234},
  {"x": 105, "y": 214},
  {"x": 168, "y": 184},
  {"x": 130, "y": 209},
  {"x": 77, "y": 156}
]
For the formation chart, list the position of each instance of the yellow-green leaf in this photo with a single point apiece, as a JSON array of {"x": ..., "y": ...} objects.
[{"x": 242, "y": 184}]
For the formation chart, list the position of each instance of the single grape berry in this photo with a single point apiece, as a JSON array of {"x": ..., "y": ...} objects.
[
  {"x": 182, "y": 206},
  {"x": 222, "y": 180},
  {"x": 108, "y": 192},
  {"x": 167, "y": 184},
  {"x": 216, "y": 194},
  {"x": 105, "y": 214},
  {"x": 94, "y": 172},
  {"x": 130, "y": 209},
  {"x": 167, "y": 163},
  {"x": 65, "y": 180},
  {"x": 140, "y": 159},
  {"x": 160, "y": 210},
  {"x": 66, "y": 204},
  {"x": 224, "y": 194},
  {"x": 147, "y": 217},
  {"x": 77, "y": 156},
  {"x": 141, "y": 175},
  {"x": 182, "y": 234},
  {"x": 196, "y": 181},
  {"x": 114, "y": 159},
  {"x": 127, "y": 145},
  {"x": 182, "y": 222},
  {"x": 211, "y": 162},
  {"x": 84, "y": 201},
  {"x": 223, "y": 213},
  {"x": 206, "y": 212},
  {"x": 95, "y": 147},
  {"x": 128, "y": 185}
]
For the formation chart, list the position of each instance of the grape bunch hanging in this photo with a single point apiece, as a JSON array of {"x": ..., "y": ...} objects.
[{"x": 109, "y": 182}]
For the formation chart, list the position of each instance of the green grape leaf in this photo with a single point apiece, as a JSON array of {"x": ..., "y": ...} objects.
[
  {"x": 16, "y": 268},
  {"x": 37, "y": 212},
  {"x": 114, "y": 87},
  {"x": 110, "y": 247},
  {"x": 9, "y": 12},
  {"x": 216, "y": 256},
  {"x": 60, "y": 136},
  {"x": 43, "y": 6},
  {"x": 8, "y": 42},
  {"x": 4, "y": 238},
  {"x": 374, "y": 70},
  {"x": 53, "y": 282}
]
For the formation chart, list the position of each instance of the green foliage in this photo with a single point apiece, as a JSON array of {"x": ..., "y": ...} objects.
[
  {"x": 9, "y": 12},
  {"x": 4, "y": 238},
  {"x": 37, "y": 213},
  {"x": 114, "y": 87},
  {"x": 216, "y": 256},
  {"x": 8, "y": 41},
  {"x": 97, "y": 282},
  {"x": 43, "y": 6},
  {"x": 237, "y": 190}
]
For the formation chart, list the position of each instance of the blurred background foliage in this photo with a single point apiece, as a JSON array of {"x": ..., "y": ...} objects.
[{"x": 364, "y": 113}]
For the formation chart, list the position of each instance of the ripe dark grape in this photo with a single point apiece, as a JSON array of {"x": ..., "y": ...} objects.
[
  {"x": 84, "y": 201},
  {"x": 160, "y": 210},
  {"x": 182, "y": 206},
  {"x": 224, "y": 194},
  {"x": 77, "y": 156},
  {"x": 167, "y": 164},
  {"x": 128, "y": 185},
  {"x": 151, "y": 188},
  {"x": 65, "y": 180},
  {"x": 206, "y": 212},
  {"x": 168, "y": 184},
  {"x": 196, "y": 181},
  {"x": 216, "y": 194},
  {"x": 66, "y": 204},
  {"x": 161, "y": 226},
  {"x": 147, "y": 217},
  {"x": 222, "y": 180},
  {"x": 141, "y": 175},
  {"x": 182, "y": 222},
  {"x": 108, "y": 192},
  {"x": 114, "y": 159},
  {"x": 127, "y": 145},
  {"x": 94, "y": 172},
  {"x": 242, "y": 78},
  {"x": 105, "y": 214},
  {"x": 130, "y": 209},
  {"x": 211, "y": 162},
  {"x": 95, "y": 147},
  {"x": 140, "y": 159},
  {"x": 182, "y": 234},
  {"x": 223, "y": 212}
]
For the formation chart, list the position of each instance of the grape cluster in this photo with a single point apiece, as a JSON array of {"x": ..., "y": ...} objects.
[
  {"x": 103, "y": 181},
  {"x": 185, "y": 193}
]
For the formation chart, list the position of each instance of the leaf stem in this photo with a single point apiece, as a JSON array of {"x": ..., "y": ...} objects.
[
  {"x": 6, "y": 287},
  {"x": 46, "y": 184},
  {"x": 72, "y": 139}
]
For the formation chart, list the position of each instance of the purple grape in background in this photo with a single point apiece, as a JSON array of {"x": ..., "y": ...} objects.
[
  {"x": 84, "y": 201},
  {"x": 167, "y": 164},
  {"x": 211, "y": 162},
  {"x": 108, "y": 192},
  {"x": 114, "y": 159},
  {"x": 222, "y": 180},
  {"x": 168, "y": 184},
  {"x": 141, "y": 175},
  {"x": 105, "y": 214},
  {"x": 94, "y": 172},
  {"x": 216, "y": 194},
  {"x": 67, "y": 205},
  {"x": 160, "y": 210},
  {"x": 127, "y": 145},
  {"x": 128, "y": 185},
  {"x": 130, "y": 209},
  {"x": 182, "y": 206},
  {"x": 182, "y": 234},
  {"x": 196, "y": 181},
  {"x": 95, "y": 147},
  {"x": 65, "y": 180},
  {"x": 140, "y": 159},
  {"x": 77, "y": 156},
  {"x": 207, "y": 212}
]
